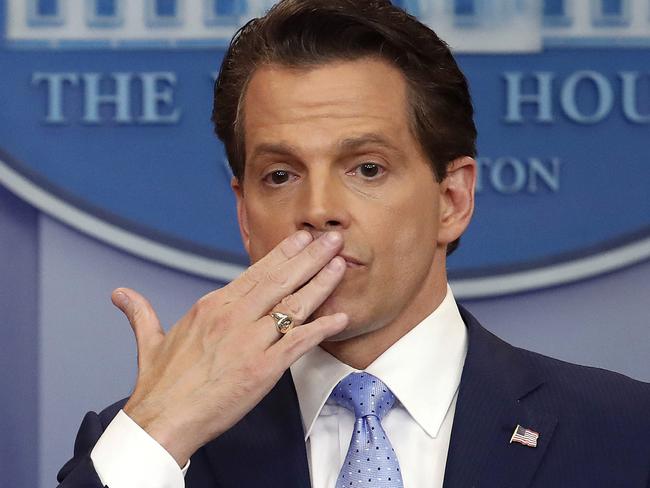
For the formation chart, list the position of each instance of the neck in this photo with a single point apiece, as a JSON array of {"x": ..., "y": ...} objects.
[{"x": 360, "y": 351}]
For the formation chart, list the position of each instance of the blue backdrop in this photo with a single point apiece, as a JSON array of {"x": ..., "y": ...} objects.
[{"x": 110, "y": 175}]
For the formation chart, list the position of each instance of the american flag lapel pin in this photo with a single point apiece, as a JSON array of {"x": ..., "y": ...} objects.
[{"x": 524, "y": 436}]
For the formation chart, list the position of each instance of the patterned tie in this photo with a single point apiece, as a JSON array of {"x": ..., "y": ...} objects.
[{"x": 371, "y": 461}]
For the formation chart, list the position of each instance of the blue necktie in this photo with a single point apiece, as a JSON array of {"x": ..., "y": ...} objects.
[{"x": 371, "y": 461}]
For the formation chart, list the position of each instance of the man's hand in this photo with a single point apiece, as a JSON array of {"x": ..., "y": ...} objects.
[{"x": 225, "y": 354}]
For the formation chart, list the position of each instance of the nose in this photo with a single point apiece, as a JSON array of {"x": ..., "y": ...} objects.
[{"x": 322, "y": 205}]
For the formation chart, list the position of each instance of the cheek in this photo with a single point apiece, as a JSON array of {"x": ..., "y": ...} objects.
[
  {"x": 411, "y": 249},
  {"x": 415, "y": 216},
  {"x": 412, "y": 235},
  {"x": 266, "y": 230}
]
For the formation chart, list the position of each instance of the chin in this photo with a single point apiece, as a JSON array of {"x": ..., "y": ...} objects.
[
  {"x": 350, "y": 332},
  {"x": 338, "y": 301},
  {"x": 344, "y": 299},
  {"x": 359, "y": 325}
]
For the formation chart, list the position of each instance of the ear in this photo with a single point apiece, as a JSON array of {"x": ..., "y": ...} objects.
[
  {"x": 456, "y": 199},
  {"x": 242, "y": 217}
]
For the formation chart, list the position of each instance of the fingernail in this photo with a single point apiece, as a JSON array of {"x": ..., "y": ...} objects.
[
  {"x": 121, "y": 298},
  {"x": 340, "y": 318},
  {"x": 303, "y": 238},
  {"x": 336, "y": 264},
  {"x": 333, "y": 237}
]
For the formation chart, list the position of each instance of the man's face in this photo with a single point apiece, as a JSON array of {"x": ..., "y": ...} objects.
[{"x": 330, "y": 148}]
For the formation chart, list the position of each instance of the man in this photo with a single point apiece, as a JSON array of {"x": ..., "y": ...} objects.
[{"x": 339, "y": 358}]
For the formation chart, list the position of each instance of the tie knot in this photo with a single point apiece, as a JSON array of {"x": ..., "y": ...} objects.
[{"x": 364, "y": 394}]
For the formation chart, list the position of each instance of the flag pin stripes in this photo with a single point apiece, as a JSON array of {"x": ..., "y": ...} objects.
[{"x": 524, "y": 436}]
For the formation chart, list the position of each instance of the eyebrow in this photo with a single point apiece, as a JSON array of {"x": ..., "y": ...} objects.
[
  {"x": 346, "y": 145},
  {"x": 279, "y": 148},
  {"x": 366, "y": 139}
]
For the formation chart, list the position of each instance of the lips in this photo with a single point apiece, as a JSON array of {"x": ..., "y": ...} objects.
[{"x": 351, "y": 262}]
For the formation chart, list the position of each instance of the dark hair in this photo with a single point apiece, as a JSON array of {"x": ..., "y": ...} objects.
[{"x": 306, "y": 33}]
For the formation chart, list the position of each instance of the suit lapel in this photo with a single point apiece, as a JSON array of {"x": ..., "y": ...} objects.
[
  {"x": 494, "y": 396},
  {"x": 266, "y": 449}
]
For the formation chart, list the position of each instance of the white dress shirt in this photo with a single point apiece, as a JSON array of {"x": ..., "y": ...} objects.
[{"x": 422, "y": 369}]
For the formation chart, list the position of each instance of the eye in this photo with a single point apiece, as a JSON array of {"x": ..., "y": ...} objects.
[
  {"x": 277, "y": 177},
  {"x": 369, "y": 170}
]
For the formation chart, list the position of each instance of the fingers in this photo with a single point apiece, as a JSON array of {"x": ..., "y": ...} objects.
[
  {"x": 299, "y": 340},
  {"x": 284, "y": 251},
  {"x": 143, "y": 320},
  {"x": 301, "y": 304},
  {"x": 284, "y": 279}
]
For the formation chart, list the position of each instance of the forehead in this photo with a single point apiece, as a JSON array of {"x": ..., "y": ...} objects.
[{"x": 325, "y": 103}]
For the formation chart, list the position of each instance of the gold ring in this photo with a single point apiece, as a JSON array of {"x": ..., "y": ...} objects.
[{"x": 283, "y": 322}]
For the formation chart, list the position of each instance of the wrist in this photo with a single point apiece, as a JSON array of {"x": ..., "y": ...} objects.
[{"x": 167, "y": 430}]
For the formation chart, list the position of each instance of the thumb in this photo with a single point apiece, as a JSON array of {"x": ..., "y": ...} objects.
[{"x": 143, "y": 319}]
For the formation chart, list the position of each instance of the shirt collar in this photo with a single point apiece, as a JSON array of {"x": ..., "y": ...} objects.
[{"x": 430, "y": 358}]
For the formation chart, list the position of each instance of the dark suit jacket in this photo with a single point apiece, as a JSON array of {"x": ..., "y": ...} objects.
[{"x": 594, "y": 428}]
